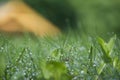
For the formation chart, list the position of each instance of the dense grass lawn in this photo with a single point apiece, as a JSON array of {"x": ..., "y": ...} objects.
[
  {"x": 72, "y": 56},
  {"x": 66, "y": 57}
]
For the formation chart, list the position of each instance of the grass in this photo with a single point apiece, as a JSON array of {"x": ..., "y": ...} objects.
[
  {"x": 66, "y": 57},
  {"x": 70, "y": 56}
]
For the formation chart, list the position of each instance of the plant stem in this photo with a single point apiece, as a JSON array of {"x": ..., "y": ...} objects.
[{"x": 100, "y": 70}]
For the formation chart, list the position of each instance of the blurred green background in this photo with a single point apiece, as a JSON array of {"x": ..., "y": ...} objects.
[
  {"x": 99, "y": 17},
  {"x": 90, "y": 16}
]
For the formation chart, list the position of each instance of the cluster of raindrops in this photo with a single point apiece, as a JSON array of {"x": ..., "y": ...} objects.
[{"x": 22, "y": 68}]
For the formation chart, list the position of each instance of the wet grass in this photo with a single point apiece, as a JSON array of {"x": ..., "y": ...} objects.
[{"x": 66, "y": 57}]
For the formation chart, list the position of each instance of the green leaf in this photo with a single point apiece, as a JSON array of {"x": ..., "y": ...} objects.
[
  {"x": 101, "y": 67},
  {"x": 56, "y": 54},
  {"x": 103, "y": 45},
  {"x": 107, "y": 48},
  {"x": 91, "y": 55},
  {"x": 110, "y": 44},
  {"x": 116, "y": 63},
  {"x": 55, "y": 70}
]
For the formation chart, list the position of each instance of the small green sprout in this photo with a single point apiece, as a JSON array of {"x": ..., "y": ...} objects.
[
  {"x": 106, "y": 50},
  {"x": 55, "y": 71}
]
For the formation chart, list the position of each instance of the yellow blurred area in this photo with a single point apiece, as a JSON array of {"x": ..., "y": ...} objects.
[{"x": 16, "y": 16}]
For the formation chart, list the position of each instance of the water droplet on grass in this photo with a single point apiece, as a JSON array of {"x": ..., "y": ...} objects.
[
  {"x": 33, "y": 74},
  {"x": 75, "y": 78},
  {"x": 30, "y": 53},
  {"x": 24, "y": 73},
  {"x": 82, "y": 72},
  {"x": 15, "y": 78},
  {"x": 2, "y": 48},
  {"x": 94, "y": 65},
  {"x": 82, "y": 48}
]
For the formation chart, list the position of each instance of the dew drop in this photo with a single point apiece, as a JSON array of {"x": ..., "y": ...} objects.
[
  {"x": 2, "y": 48},
  {"x": 30, "y": 53},
  {"x": 82, "y": 48},
  {"x": 94, "y": 65},
  {"x": 82, "y": 72},
  {"x": 33, "y": 74},
  {"x": 15, "y": 78},
  {"x": 24, "y": 73}
]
